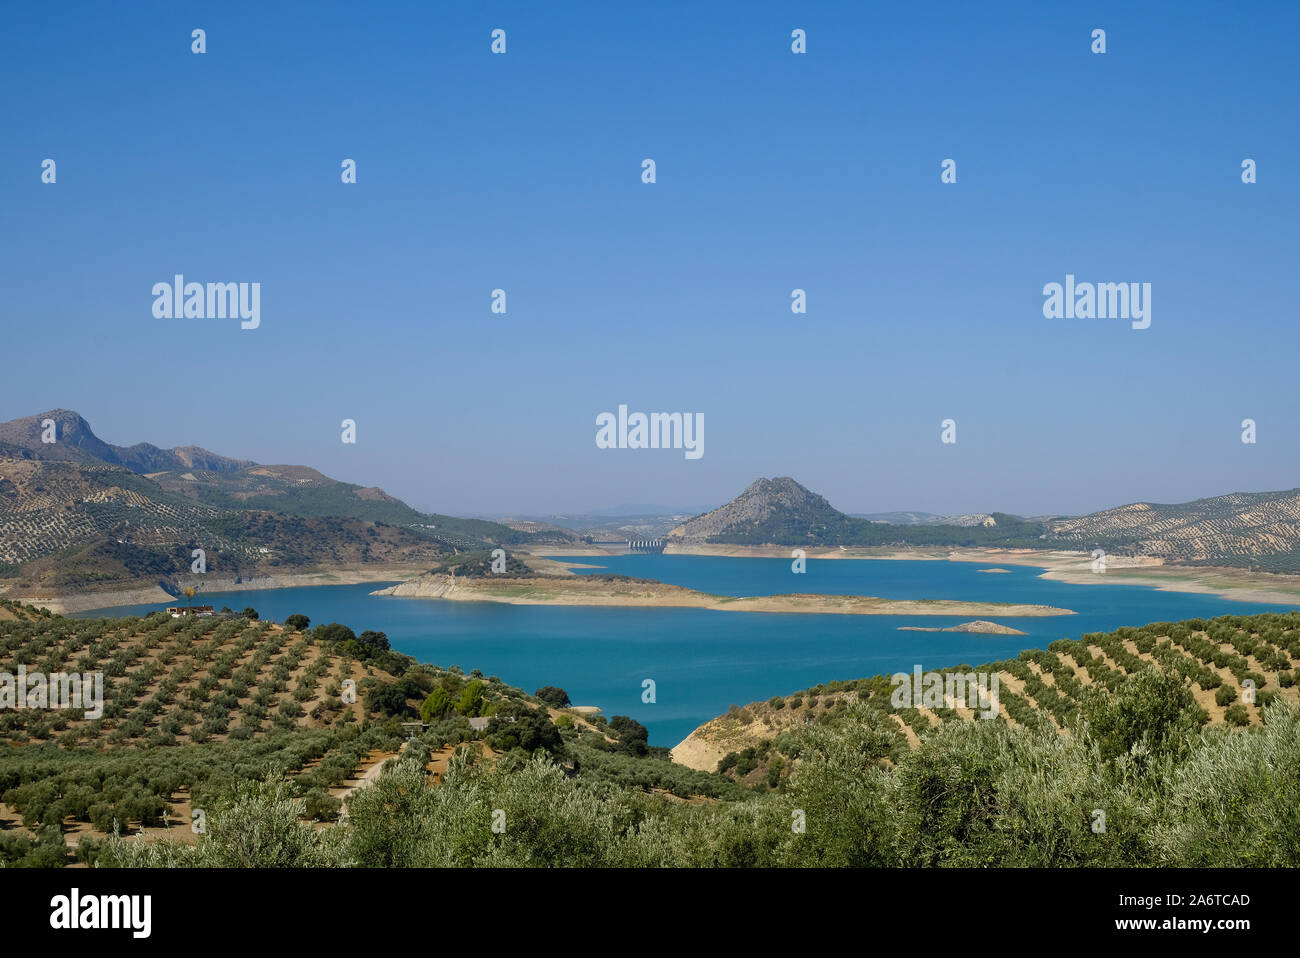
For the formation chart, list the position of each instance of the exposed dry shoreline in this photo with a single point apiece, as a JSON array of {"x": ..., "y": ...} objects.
[
  {"x": 144, "y": 593},
  {"x": 1060, "y": 565},
  {"x": 582, "y": 590}
]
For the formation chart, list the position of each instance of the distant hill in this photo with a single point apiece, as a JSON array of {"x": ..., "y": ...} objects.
[
  {"x": 925, "y": 519},
  {"x": 80, "y": 514},
  {"x": 898, "y": 518},
  {"x": 67, "y": 526},
  {"x": 1258, "y": 531},
  {"x": 601, "y": 528},
  {"x": 302, "y": 491},
  {"x": 773, "y": 510},
  {"x": 76, "y": 442},
  {"x": 782, "y": 512}
]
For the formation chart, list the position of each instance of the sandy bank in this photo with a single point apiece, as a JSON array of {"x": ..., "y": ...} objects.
[
  {"x": 146, "y": 594},
  {"x": 584, "y": 590},
  {"x": 1076, "y": 569},
  {"x": 1060, "y": 565}
]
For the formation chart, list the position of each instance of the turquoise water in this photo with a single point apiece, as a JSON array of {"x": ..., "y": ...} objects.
[{"x": 703, "y": 661}]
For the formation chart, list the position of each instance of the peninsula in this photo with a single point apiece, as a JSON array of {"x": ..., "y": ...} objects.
[{"x": 612, "y": 590}]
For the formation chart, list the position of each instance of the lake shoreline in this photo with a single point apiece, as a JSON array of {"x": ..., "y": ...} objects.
[
  {"x": 1074, "y": 568},
  {"x": 144, "y": 593},
  {"x": 601, "y": 653},
  {"x": 632, "y": 593}
]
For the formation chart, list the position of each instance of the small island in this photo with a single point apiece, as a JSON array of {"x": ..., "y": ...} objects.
[{"x": 979, "y": 626}]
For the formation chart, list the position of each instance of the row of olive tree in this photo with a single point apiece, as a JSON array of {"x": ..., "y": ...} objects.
[{"x": 1139, "y": 783}]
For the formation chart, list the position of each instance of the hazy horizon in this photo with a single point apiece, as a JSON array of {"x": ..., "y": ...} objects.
[{"x": 599, "y": 510}]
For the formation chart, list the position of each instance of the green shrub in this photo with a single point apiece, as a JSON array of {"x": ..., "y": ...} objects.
[
  {"x": 553, "y": 696},
  {"x": 1236, "y": 715}
]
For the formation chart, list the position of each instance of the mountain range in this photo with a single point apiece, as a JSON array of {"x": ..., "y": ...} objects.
[
  {"x": 1258, "y": 531},
  {"x": 782, "y": 512},
  {"x": 79, "y": 514},
  {"x": 924, "y": 518},
  {"x": 74, "y": 441}
]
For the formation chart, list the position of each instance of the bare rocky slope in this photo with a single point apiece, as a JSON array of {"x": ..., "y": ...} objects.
[{"x": 760, "y": 501}]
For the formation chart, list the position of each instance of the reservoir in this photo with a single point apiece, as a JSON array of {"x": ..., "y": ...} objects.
[{"x": 701, "y": 660}]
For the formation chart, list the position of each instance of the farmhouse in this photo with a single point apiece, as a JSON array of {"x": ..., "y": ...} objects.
[{"x": 176, "y": 611}]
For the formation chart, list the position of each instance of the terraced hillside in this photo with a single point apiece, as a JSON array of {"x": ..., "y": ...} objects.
[
  {"x": 1254, "y": 530},
  {"x": 303, "y": 491},
  {"x": 79, "y": 514},
  {"x": 1039, "y": 689},
  {"x": 191, "y": 707},
  {"x": 302, "y": 779},
  {"x": 175, "y": 681},
  {"x": 196, "y": 711}
]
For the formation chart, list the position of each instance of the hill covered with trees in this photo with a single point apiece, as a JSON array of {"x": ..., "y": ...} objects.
[
  {"x": 78, "y": 514},
  {"x": 1105, "y": 752},
  {"x": 1208, "y": 665},
  {"x": 1259, "y": 531}
]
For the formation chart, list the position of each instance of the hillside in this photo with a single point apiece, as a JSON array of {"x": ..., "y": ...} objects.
[
  {"x": 1252, "y": 530},
  {"x": 783, "y": 512},
  {"x": 303, "y": 491},
  {"x": 71, "y": 527},
  {"x": 1039, "y": 689},
  {"x": 76, "y": 442},
  {"x": 172, "y": 681},
  {"x": 1147, "y": 776},
  {"x": 81, "y": 514},
  {"x": 196, "y": 709},
  {"x": 768, "y": 504},
  {"x": 298, "y": 490},
  {"x": 1259, "y": 531}
]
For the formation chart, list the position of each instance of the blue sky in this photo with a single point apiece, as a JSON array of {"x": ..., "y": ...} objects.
[{"x": 775, "y": 171}]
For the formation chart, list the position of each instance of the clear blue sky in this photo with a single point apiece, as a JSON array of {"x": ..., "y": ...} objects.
[{"x": 775, "y": 171}]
